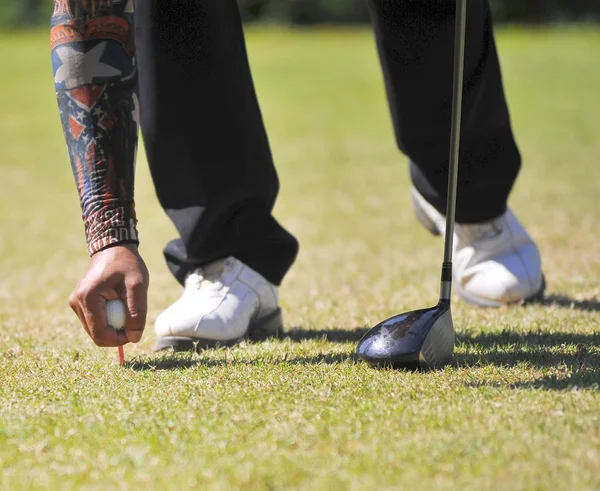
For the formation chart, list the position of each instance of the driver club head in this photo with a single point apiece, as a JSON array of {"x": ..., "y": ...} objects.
[{"x": 417, "y": 339}]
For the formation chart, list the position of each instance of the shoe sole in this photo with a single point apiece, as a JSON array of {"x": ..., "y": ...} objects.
[{"x": 270, "y": 325}]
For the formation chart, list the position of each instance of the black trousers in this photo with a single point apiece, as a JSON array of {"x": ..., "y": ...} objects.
[{"x": 208, "y": 151}]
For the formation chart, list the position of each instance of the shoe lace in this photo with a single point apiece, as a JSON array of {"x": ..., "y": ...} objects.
[
  {"x": 482, "y": 231},
  {"x": 207, "y": 276},
  {"x": 194, "y": 279}
]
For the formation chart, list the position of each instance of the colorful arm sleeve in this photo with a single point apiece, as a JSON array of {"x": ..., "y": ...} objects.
[{"x": 95, "y": 76}]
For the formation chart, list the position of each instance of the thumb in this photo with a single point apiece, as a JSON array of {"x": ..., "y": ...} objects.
[{"x": 137, "y": 307}]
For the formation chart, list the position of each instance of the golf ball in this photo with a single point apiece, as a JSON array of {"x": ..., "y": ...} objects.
[{"x": 115, "y": 313}]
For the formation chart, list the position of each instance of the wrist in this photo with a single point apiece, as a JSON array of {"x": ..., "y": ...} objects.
[
  {"x": 130, "y": 246},
  {"x": 110, "y": 227}
]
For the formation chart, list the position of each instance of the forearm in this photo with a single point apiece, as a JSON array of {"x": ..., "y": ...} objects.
[{"x": 96, "y": 78}]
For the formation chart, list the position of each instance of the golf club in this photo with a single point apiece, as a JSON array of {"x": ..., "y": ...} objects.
[{"x": 425, "y": 338}]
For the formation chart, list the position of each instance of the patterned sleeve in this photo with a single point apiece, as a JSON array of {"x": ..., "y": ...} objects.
[{"x": 95, "y": 76}]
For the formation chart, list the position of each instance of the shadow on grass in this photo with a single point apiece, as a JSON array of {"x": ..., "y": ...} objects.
[
  {"x": 578, "y": 353},
  {"x": 176, "y": 362},
  {"x": 298, "y": 335},
  {"x": 566, "y": 302},
  {"x": 171, "y": 361},
  {"x": 588, "y": 379},
  {"x": 316, "y": 359}
]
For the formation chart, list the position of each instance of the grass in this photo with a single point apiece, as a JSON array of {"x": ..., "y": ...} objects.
[{"x": 520, "y": 407}]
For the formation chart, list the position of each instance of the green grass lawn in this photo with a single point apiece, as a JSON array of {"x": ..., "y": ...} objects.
[{"x": 520, "y": 409}]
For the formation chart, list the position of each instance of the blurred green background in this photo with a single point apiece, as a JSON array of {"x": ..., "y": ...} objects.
[{"x": 14, "y": 13}]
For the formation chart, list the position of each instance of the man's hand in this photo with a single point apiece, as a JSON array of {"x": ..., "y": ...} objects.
[{"x": 114, "y": 273}]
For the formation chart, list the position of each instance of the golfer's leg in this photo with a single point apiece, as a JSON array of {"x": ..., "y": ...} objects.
[
  {"x": 415, "y": 41},
  {"x": 205, "y": 139},
  {"x": 495, "y": 261}
]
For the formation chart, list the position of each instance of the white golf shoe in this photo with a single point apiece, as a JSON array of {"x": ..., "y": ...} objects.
[
  {"x": 222, "y": 303},
  {"x": 494, "y": 263}
]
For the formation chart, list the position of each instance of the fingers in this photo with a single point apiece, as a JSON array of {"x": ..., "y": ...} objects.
[
  {"x": 94, "y": 310},
  {"x": 137, "y": 307},
  {"x": 90, "y": 307},
  {"x": 74, "y": 304},
  {"x": 113, "y": 273}
]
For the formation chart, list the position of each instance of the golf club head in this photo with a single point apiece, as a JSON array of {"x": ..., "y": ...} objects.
[{"x": 417, "y": 339}]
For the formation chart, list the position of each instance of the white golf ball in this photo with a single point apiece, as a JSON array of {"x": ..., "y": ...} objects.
[{"x": 115, "y": 313}]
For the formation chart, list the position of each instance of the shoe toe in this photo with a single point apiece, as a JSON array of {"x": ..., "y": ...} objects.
[
  {"x": 219, "y": 327},
  {"x": 162, "y": 326},
  {"x": 504, "y": 280},
  {"x": 183, "y": 317},
  {"x": 490, "y": 284}
]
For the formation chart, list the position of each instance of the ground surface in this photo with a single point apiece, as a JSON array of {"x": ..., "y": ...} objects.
[{"x": 519, "y": 410}]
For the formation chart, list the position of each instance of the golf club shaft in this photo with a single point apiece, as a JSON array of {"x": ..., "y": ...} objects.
[{"x": 457, "y": 92}]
